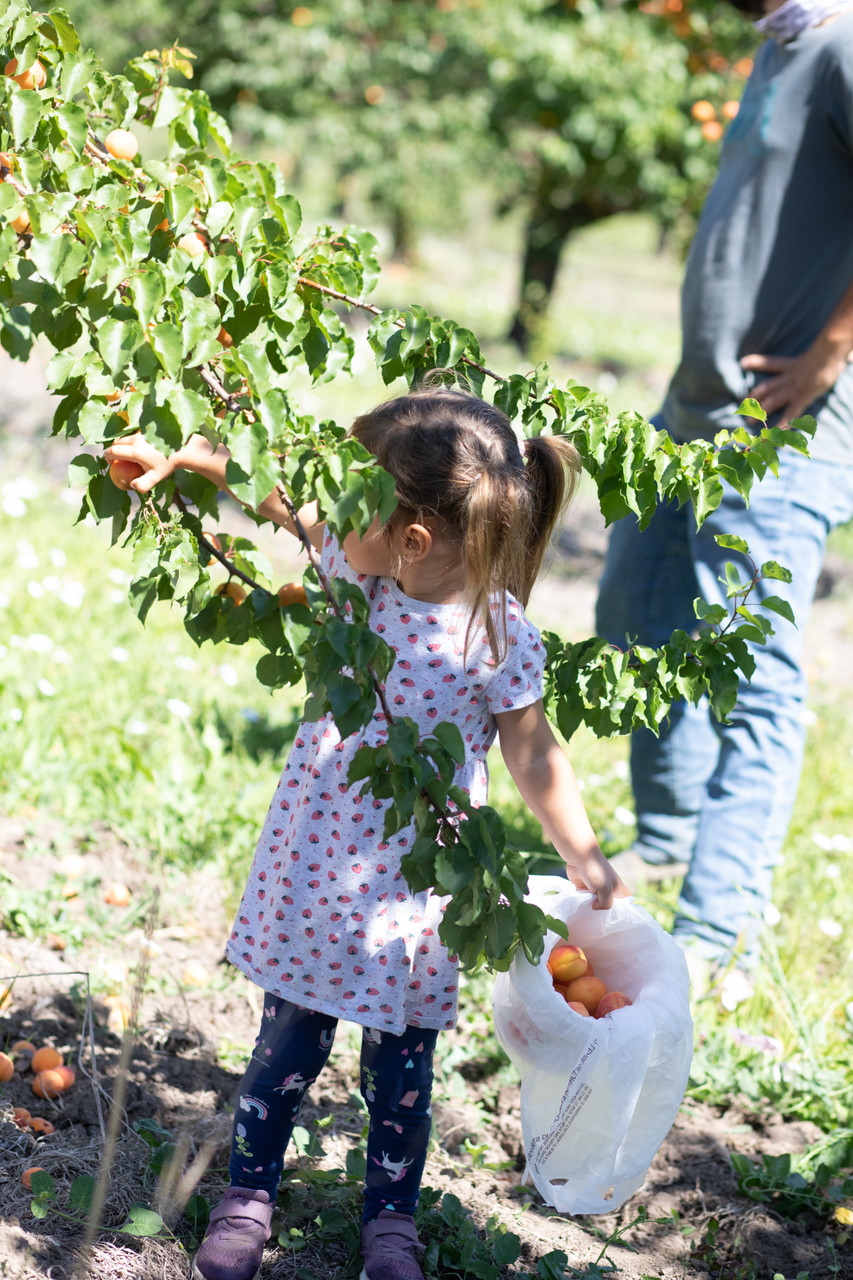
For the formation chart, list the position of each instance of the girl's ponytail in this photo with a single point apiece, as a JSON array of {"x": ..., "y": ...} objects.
[{"x": 552, "y": 467}]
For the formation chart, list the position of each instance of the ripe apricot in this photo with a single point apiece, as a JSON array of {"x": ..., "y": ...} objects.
[
  {"x": 193, "y": 244},
  {"x": 612, "y": 1000},
  {"x": 232, "y": 590},
  {"x": 5, "y": 161},
  {"x": 579, "y": 1008},
  {"x": 195, "y": 975},
  {"x": 22, "y": 223},
  {"x": 117, "y": 894},
  {"x": 27, "y": 1175},
  {"x": 34, "y": 78},
  {"x": 587, "y": 990},
  {"x": 730, "y": 108},
  {"x": 49, "y": 1084},
  {"x": 566, "y": 962},
  {"x": 224, "y": 337},
  {"x": 123, "y": 471},
  {"x": 24, "y": 1046},
  {"x": 122, "y": 144},
  {"x": 45, "y": 1058},
  {"x": 703, "y": 110},
  {"x": 291, "y": 593},
  {"x": 21, "y": 1117},
  {"x": 66, "y": 1074},
  {"x": 38, "y": 1124},
  {"x": 7, "y": 1068},
  {"x": 212, "y": 539},
  {"x": 712, "y": 130}
]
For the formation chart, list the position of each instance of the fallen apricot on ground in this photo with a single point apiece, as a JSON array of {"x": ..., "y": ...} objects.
[
  {"x": 21, "y": 1117},
  {"x": 45, "y": 1058},
  {"x": 33, "y": 78},
  {"x": 27, "y": 1175},
  {"x": 117, "y": 894},
  {"x": 588, "y": 991},
  {"x": 566, "y": 962},
  {"x": 24, "y": 1046},
  {"x": 291, "y": 593},
  {"x": 122, "y": 144},
  {"x": 193, "y": 244},
  {"x": 123, "y": 471},
  {"x": 195, "y": 975},
  {"x": 38, "y": 1124},
  {"x": 49, "y": 1084},
  {"x": 232, "y": 590},
  {"x": 66, "y": 1074},
  {"x": 118, "y": 1018},
  {"x": 612, "y": 1000},
  {"x": 7, "y": 1068}
]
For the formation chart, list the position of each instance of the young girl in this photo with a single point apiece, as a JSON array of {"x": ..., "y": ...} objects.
[{"x": 328, "y": 926}]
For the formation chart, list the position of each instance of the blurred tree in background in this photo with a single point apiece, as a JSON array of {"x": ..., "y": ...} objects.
[{"x": 570, "y": 111}]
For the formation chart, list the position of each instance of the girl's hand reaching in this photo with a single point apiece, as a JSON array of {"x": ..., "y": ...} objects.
[
  {"x": 595, "y": 874},
  {"x": 155, "y": 465}
]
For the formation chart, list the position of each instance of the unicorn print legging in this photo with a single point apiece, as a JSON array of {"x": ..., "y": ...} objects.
[{"x": 396, "y": 1083}]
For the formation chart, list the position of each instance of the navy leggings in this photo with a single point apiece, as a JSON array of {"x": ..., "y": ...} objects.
[{"x": 396, "y": 1084}]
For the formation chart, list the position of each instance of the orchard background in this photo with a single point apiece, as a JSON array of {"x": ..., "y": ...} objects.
[{"x": 151, "y": 767}]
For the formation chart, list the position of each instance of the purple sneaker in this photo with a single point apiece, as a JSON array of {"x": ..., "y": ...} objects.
[
  {"x": 388, "y": 1246},
  {"x": 233, "y": 1244}
]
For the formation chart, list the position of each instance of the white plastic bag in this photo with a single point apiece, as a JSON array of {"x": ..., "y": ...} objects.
[{"x": 598, "y": 1095}]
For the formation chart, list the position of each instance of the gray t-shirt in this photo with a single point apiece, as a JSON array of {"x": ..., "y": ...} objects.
[{"x": 773, "y": 252}]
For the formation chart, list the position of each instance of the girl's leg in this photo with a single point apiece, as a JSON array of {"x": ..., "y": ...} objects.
[
  {"x": 290, "y": 1052},
  {"x": 396, "y": 1084}
]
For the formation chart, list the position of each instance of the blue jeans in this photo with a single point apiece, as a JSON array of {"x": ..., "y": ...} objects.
[{"x": 720, "y": 795}]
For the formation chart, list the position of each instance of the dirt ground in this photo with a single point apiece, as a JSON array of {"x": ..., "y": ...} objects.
[{"x": 177, "y": 1075}]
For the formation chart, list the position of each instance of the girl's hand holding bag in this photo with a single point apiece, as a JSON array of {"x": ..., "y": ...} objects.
[{"x": 598, "y": 1095}]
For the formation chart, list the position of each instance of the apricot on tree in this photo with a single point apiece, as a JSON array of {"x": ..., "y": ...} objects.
[
  {"x": 123, "y": 471},
  {"x": 122, "y": 144},
  {"x": 34, "y": 78}
]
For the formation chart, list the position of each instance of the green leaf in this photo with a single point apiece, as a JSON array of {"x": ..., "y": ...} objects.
[
  {"x": 25, "y": 111},
  {"x": 82, "y": 1193},
  {"x": 117, "y": 342},
  {"x": 74, "y": 123},
  {"x": 167, "y": 344},
  {"x": 142, "y": 1221},
  {"x": 69, "y": 41},
  {"x": 752, "y": 409},
  {"x": 777, "y": 605},
  {"x": 59, "y": 258},
  {"x": 771, "y": 569},
  {"x": 732, "y": 542},
  {"x": 42, "y": 1185}
]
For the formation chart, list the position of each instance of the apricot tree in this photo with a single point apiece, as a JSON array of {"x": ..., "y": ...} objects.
[{"x": 132, "y": 271}]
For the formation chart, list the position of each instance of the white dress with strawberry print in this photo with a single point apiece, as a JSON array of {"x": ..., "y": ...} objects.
[{"x": 327, "y": 920}]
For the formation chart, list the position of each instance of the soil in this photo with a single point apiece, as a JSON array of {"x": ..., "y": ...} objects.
[{"x": 183, "y": 1066}]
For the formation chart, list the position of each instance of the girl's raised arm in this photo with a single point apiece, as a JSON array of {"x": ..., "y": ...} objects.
[
  {"x": 546, "y": 781},
  {"x": 199, "y": 456}
]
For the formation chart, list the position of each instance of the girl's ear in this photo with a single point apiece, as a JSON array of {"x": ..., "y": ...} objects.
[{"x": 417, "y": 542}]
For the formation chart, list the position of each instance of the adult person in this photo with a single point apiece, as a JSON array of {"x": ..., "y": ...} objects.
[{"x": 767, "y": 312}]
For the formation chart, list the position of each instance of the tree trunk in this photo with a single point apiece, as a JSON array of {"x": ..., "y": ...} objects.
[{"x": 548, "y": 229}]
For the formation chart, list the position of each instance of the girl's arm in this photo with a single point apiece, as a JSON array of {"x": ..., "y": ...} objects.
[
  {"x": 546, "y": 780},
  {"x": 199, "y": 456}
]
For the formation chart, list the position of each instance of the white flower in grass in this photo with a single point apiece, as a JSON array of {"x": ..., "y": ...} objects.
[
  {"x": 4, "y": 600},
  {"x": 808, "y": 717},
  {"x": 16, "y": 714},
  {"x": 179, "y": 708},
  {"x": 51, "y": 582},
  {"x": 16, "y": 642},
  {"x": 119, "y": 577},
  {"x": 3, "y": 651},
  {"x": 842, "y": 844},
  {"x": 822, "y": 841},
  {"x": 119, "y": 653},
  {"x": 20, "y": 487},
  {"x": 117, "y": 597},
  {"x": 832, "y": 870},
  {"x": 72, "y": 497},
  {"x": 185, "y": 663},
  {"x": 26, "y": 557},
  {"x": 831, "y": 928},
  {"x": 622, "y": 769},
  {"x": 57, "y": 557},
  {"x": 63, "y": 657},
  {"x": 772, "y": 914},
  {"x": 136, "y": 727},
  {"x": 36, "y": 590},
  {"x": 14, "y": 507},
  {"x": 45, "y": 688},
  {"x": 72, "y": 594},
  {"x": 623, "y": 815},
  {"x": 38, "y": 643},
  {"x": 228, "y": 675}
]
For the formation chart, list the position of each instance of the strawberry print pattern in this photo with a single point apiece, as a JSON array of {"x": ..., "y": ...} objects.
[{"x": 327, "y": 920}]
